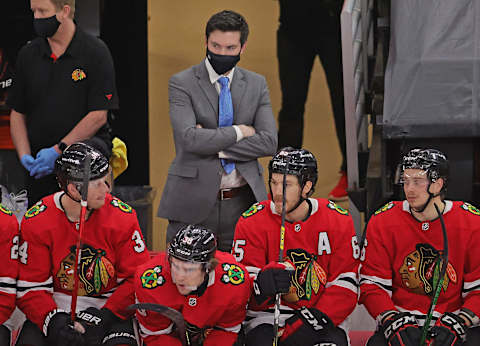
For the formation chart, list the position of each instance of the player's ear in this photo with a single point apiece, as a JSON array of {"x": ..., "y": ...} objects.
[
  {"x": 73, "y": 191},
  {"x": 306, "y": 189}
]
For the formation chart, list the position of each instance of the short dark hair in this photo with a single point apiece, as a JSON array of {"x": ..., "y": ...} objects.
[{"x": 228, "y": 21}]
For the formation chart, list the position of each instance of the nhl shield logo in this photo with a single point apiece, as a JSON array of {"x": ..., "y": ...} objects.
[
  {"x": 192, "y": 301},
  {"x": 425, "y": 226}
]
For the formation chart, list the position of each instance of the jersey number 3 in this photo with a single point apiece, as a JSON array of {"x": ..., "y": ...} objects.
[{"x": 139, "y": 243}]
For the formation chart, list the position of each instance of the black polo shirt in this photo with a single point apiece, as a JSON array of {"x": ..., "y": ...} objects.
[{"x": 56, "y": 93}]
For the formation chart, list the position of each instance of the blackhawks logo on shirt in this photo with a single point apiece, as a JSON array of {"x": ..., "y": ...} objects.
[
  {"x": 38, "y": 208},
  {"x": 94, "y": 272},
  {"x": 420, "y": 270},
  {"x": 308, "y": 276},
  {"x": 78, "y": 74},
  {"x": 121, "y": 205},
  {"x": 151, "y": 277},
  {"x": 233, "y": 274}
]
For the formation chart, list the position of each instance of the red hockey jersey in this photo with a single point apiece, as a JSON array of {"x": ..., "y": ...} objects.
[
  {"x": 220, "y": 309},
  {"x": 112, "y": 248},
  {"x": 9, "y": 248},
  {"x": 401, "y": 252},
  {"x": 323, "y": 250}
]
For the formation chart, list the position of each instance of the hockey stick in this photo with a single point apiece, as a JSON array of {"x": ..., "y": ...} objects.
[
  {"x": 276, "y": 314},
  {"x": 172, "y": 314},
  {"x": 438, "y": 288},
  {"x": 78, "y": 252}
]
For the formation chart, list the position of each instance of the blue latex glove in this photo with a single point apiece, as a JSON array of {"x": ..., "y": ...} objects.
[
  {"x": 27, "y": 161},
  {"x": 44, "y": 162}
]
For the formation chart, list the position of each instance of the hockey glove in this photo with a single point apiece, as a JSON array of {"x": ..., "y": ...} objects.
[
  {"x": 401, "y": 328},
  {"x": 305, "y": 327},
  {"x": 450, "y": 330},
  {"x": 27, "y": 162},
  {"x": 96, "y": 323},
  {"x": 272, "y": 279},
  {"x": 59, "y": 330},
  {"x": 44, "y": 162}
]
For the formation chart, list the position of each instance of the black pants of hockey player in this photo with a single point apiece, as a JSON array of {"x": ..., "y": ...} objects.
[
  {"x": 295, "y": 63},
  {"x": 4, "y": 335},
  {"x": 473, "y": 338},
  {"x": 119, "y": 334},
  {"x": 262, "y": 335}
]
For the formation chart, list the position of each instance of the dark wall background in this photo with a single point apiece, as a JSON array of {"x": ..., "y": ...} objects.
[{"x": 123, "y": 27}]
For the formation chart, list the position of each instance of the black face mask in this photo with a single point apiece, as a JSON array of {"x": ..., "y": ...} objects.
[
  {"x": 46, "y": 27},
  {"x": 222, "y": 63}
]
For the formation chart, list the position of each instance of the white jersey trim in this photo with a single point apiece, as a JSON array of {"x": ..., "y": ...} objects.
[
  {"x": 253, "y": 271},
  {"x": 255, "y": 318},
  {"x": 448, "y": 206},
  {"x": 384, "y": 284},
  {"x": 8, "y": 285},
  {"x": 144, "y": 332},
  {"x": 234, "y": 329},
  {"x": 469, "y": 287},
  {"x": 64, "y": 301},
  {"x": 23, "y": 287},
  {"x": 347, "y": 280},
  {"x": 313, "y": 201}
]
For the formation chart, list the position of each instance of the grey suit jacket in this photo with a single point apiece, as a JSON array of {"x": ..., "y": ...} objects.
[{"x": 195, "y": 173}]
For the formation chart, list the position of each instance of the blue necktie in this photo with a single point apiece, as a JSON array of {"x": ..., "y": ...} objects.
[{"x": 225, "y": 116}]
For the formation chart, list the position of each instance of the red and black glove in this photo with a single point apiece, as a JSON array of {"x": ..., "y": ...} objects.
[
  {"x": 305, "y": 327},
  {"x": 400, "y": 329},
  {"x": 272, "y": 279},
  {"x": 449, "y": 330}
]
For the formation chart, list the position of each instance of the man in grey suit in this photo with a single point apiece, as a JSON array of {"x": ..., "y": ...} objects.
[{"x": 222, "y": 122}]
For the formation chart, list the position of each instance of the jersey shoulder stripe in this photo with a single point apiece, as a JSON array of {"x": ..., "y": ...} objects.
[
  {"x": 385, "y": 208},
  {"x": 335, "y": 207},
  {"x": 470, "y": 208},
  {"x": 255, "y": 208}
]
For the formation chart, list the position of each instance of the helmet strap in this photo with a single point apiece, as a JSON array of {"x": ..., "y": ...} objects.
[{"x": 430, "y": 196}]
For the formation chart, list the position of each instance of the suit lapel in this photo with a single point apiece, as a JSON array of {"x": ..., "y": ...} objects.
[
  {"x": 237, "y": 88},
  {"x": 207, "y": 87}
]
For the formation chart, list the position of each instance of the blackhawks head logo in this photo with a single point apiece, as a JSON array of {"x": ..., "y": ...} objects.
[
  {"x": 420, "y": 272},
  {"x": 95, "y": 271},
  {"x": 307, "y": 277}
]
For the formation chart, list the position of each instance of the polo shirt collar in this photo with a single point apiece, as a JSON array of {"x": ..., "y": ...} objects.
[{"x": 73, "y": 48}]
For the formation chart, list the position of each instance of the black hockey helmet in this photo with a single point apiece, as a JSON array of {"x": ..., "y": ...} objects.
[
  {"x": 300, "y": 162},
  {"x": 193, "y": 244},
  {"x": 69, "y": 166},
  {"x": 433, "y": 161}
]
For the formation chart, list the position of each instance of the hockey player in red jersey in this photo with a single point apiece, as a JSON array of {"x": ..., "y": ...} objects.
[
  {"x": 208, "y": 287},
  {"x": 9, "y": 243},
  {"x": 111, "y": 248},
  {"x": 404, "y": 243},
  {"x": 320, "y": 247}
]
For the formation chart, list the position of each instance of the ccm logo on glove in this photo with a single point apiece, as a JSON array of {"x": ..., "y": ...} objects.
[{"x": 399, "y": 323}]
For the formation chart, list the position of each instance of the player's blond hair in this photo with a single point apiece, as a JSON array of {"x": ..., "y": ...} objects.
[{"x": 60, "y": 3}]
